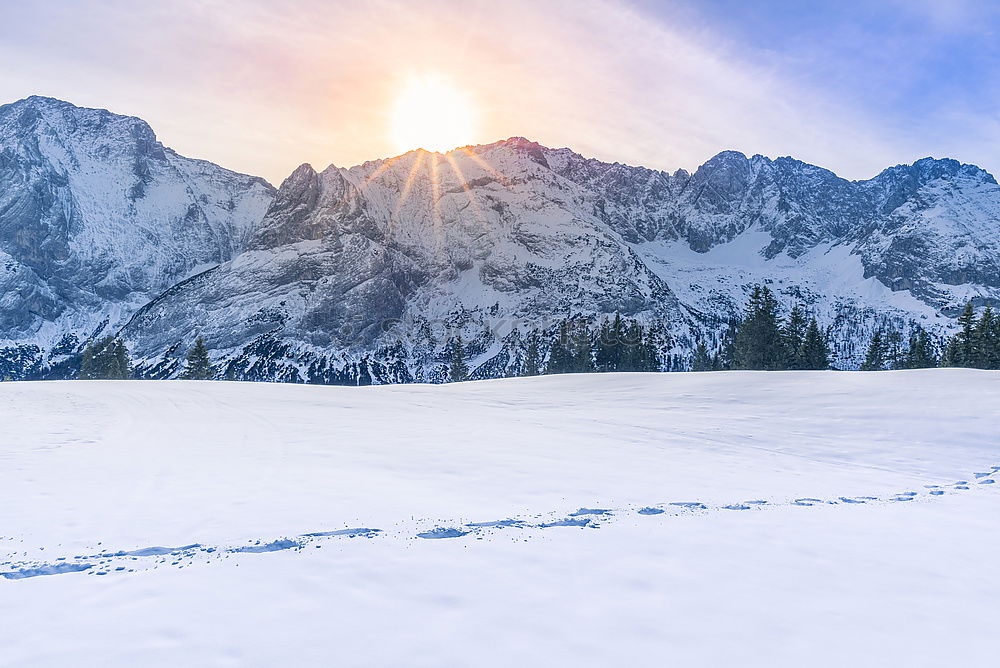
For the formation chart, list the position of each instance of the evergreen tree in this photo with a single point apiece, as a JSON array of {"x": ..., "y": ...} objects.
[
  {"x": 458, "y": 370},
  {"x": 951, "y": 355},
  {"x": 920, "y": 354},
  {"x": 758, "y": 343},
  {"x": 197, "y": 365},
  {"x": 532, "y": 356},
  {"x": 105, "y": 359},
  {"x": 609, "y": 344},
  {"x": 875, "y": 357},
  {"x": 560, "y": 354},
  {"x": 702, "y": 361},
  {"x": 725, "y": 359},
  {"x": 793, "y": 333},
  {"x": 813, "y": 352},
  {"x": 582, "y": 348},
  {"x": 986, "y": 349},
  {"x": 994, "y": 338},
  {"x": 515, "y": 367},
  {"x": 630, "y": 357},
  {"x": 644, "y": 354},
  {"x": 962, "y": 347},
  {"x": 892, "y": 344}
]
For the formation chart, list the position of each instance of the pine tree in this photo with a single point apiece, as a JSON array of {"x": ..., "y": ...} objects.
[
  {"x": 892, "y": 344},
  {"x": 951, "y": 355},
  {"x": 582, "y": 349},
  {"x": 758, "y": 343},
  {"x": 727, "y": 351},
  {"x": 813, "y": 351},
  {"x": 609, "y": 344},
  {"x": 560, "y": 353},
  {"x": 532, "y": 356},
  {"x": 87, "y": 369},
  {"x": 702, "y": 361},
  {"x": 458, "y": 370},
  {"x": 198, "y": 365},
  {"x": 515, "y": 366},
  {"x": 995, "y": 339},
  {"x": 792, "y": 335},
  {"x": 962, "y": 347},
  {"x": 985, "y": 349},
  {"x": 875, "y": 357},
  {"x": 645, "y": 355},
  {"x": 920, "y": 353}
]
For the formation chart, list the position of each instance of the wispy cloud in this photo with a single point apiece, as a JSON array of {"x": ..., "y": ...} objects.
[{"x": 260, "y": 87}]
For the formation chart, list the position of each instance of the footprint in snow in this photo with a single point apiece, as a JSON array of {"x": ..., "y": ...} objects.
[
  {"x": 45, "y": 569},
  {"x": 988, "y": 481},
  {"x": 568, "y": 522},
  {"x": 590, "y": 511},
  {"x": 651, "y": 511},
  {"x": 350, "y": 533},
  {"x": 690, "y": 504},
  {"x": 156, "y": 551},
  {"x": 273, "y": 546},
  {"x": 442, "y": 532},
  {"x": 806, "y": 502},
  {"x": 496, "y": 523}
]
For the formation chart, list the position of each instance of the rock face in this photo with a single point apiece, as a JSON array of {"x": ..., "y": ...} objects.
[
  {"x": 97, "y": 218},
  {"x": 362, "y": 274}
]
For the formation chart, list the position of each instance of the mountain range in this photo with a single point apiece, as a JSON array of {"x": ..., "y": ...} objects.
[{"x": 365, "y": 273}]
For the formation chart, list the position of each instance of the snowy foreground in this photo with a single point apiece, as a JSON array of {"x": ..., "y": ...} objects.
[{"x": 722, "y": 519}]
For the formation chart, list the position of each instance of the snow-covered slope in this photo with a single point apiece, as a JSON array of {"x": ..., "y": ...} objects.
[
  {"x": 97, "y": 218},
  {"x": 583, "y": 520},
  {"x": 390, "y": 258}
]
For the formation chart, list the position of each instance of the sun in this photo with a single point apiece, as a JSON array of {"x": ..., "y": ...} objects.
[{"x": 433, "y": 114}]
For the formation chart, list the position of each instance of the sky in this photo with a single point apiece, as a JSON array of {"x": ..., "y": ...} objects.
[{"x": 261, "y": 87}]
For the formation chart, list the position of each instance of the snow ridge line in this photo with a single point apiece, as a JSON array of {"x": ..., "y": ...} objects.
[{"x": 130, "y": 561}]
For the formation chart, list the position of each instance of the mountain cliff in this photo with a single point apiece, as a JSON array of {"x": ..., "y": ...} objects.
[{"x": 97, "y": 217}]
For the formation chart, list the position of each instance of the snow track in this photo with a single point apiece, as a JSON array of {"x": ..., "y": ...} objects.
[{"x": 123, "y": 562}]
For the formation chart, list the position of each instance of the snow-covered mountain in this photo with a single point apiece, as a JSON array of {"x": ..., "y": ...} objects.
[
  {"x": 368, "y": 271},
  {"x": 97, "y": 218},
  {"x": 389, "y": 258}
]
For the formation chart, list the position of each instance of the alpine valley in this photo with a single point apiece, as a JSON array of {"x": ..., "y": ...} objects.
[{"x": 364, "y": 274}]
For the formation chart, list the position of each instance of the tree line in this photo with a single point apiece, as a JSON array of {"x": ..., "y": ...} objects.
[
  {"x": 759, "y": 339},
  {"x": 763, "y": 340},
  {"x": 108, "y": 359},
  {"x": 976, "y": 345},
  {"x": 614, "y": 344}
]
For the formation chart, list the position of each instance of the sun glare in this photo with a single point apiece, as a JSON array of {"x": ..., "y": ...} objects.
[{"x": 432, "y": 114}]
